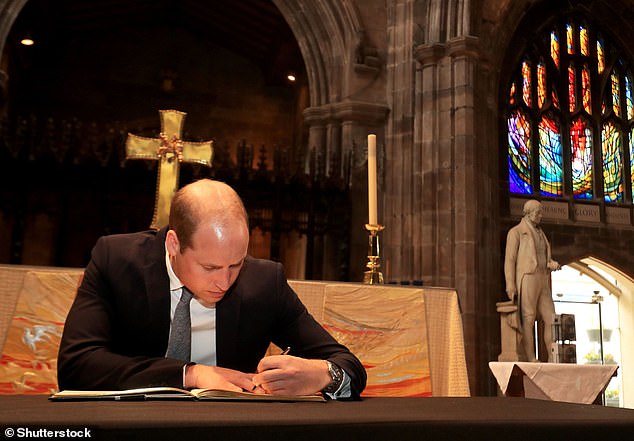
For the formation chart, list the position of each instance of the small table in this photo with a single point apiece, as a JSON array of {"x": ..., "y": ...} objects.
[{"x": 572, "y": 383}]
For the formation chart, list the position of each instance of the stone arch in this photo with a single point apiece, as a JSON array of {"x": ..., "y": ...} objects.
[
  {"x": 9, "y": 11},
  {"x": 624, "y": 291},
  {"x": 333, "y": 42},
  {"x": 327, "y": 34}
]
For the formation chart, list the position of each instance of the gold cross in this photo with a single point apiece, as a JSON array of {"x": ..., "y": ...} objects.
[{"x": 170, "y": 151}]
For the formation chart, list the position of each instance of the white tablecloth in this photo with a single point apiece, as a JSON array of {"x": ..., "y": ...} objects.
[{"x": 573, "y": 383}]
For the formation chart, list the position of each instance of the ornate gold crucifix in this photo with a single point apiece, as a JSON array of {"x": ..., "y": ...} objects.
[{"x": 170, "y": 151}]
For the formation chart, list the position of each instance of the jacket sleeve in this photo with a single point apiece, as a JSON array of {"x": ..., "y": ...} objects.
[
  {"x": 510, "y": 259},
  {"x": 308, "y": 339},
  {"x": 90, "y": 354}
]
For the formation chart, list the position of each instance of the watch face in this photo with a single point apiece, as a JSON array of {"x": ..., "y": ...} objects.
[{"x": 336, "y": 377}]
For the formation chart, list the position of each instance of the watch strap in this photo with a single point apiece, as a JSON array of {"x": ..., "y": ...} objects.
[{"x": 336, "y": 378}]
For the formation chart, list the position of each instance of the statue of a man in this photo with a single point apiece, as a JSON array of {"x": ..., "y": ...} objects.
[{"x": 527, "y": 268}]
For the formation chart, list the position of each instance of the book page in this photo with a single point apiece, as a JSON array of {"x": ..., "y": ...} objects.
[{"x": 215, "y": 394}]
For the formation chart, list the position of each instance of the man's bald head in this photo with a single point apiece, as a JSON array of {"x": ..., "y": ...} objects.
[
  {"x": 531, "y": 206},
  {"x": 205, "y": 202}
]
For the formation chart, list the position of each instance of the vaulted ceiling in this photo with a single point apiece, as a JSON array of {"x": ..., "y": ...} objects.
[{"x": 254, "y": 29}]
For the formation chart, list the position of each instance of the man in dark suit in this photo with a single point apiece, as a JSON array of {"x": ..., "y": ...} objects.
[{"x": 117, "y": 330}]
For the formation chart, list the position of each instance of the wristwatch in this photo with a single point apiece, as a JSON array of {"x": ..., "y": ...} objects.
[{"x": 336, "y": 378}]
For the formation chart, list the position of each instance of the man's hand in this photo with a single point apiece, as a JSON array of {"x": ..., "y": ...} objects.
[
  {"x": 553, "y": 265},
  {"x": 288, "y": 375},
  {"x": 512, "y": 293},
  {"x": 200, "y": 376}
]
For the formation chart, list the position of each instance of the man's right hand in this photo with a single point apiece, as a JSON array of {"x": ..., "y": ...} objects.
[
  {"x": 512, "y": 293},
  {"x": 200, "y": 376}
]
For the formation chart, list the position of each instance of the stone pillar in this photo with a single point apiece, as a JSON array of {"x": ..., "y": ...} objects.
[
  {"x": 337, "y": 128},
  {"x": 403, "y": 194},
  {"x": 457, "y": 175}
]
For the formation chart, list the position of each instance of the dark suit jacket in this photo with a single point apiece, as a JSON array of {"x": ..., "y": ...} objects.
[{"x": 116, "y": 332}]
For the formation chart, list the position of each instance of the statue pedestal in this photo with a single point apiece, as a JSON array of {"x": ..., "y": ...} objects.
[
  {"x": 510, "y": 332},
  {"x": 572, "y": 383}
]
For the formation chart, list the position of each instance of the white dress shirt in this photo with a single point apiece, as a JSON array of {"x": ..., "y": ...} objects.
[{"x": 203, "y": 321}]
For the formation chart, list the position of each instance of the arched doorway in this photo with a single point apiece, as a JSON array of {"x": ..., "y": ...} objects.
[{"x": 600, "y": 296}]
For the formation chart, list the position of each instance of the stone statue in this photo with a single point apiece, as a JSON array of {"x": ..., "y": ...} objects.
[{"x": 527, "y": 268}]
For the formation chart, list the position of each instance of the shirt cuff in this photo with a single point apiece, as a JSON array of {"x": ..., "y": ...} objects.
[
  {"x": 344, "y": 390},
  {"x": 185, "y": 372}
]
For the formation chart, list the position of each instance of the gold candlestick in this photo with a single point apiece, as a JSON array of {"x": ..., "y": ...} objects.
[{"x": 373, "y": 276}]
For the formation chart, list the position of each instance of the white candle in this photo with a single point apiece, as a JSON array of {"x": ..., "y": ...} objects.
[{"x": 372, "y": 198}]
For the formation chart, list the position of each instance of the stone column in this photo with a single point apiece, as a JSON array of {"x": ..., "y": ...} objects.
[
  {"x": 337, "y": 128},
  {"x": 458, "y": 238}
]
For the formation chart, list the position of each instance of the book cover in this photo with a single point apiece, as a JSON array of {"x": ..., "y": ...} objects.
[{"x": 173, "y": 393}]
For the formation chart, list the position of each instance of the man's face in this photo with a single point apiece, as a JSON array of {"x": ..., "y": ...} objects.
[
  {"x": 535, "y": 216},
  {"x": 210, "y": 266}
]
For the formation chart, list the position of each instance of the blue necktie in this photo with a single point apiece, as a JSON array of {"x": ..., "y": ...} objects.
[{"x": 180, "y": 340}]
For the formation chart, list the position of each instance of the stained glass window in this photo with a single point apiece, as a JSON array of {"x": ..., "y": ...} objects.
[
  {"x": 628, "y": 97},
  {"x": 581, "y": 158},
  {"x": 554, "y": 47},
  {"x": 583, "y": 40},
  {"x": 526, "y": 82},
  {"x": 559, "y": 144},
  {"x": 612, "y": 163},
  {"x": 600, "y": 56},
  {"x": 585, "y": 88},
  {"x": 550, "y": 165},
  {"x": 632, "y": 156},
  {"x": 616, "y": 95},
  {"x": 572, "y": 95},
  {"x": 519, "y": 154},
  {"x": 541, "y": 84}
]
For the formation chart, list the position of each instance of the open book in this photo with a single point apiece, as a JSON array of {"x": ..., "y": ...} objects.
[{"x": 173, "y": 393}]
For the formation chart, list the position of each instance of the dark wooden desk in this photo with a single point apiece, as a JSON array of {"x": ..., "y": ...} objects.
[{"x": 486, "y": 418}]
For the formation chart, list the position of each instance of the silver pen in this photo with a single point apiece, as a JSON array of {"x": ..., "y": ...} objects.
[{"x": 284, "y": 352}]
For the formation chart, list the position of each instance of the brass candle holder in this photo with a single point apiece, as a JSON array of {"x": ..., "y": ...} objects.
[{"x": 373, "y": 276}]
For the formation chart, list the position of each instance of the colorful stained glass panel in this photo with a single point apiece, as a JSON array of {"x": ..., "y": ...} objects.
[
  {"x": 632, "y": 157},
  {"x": 541, "y": 84},
  {"x": 550, "y": 158},
  {"x": 585, "y": 89},
  {"x": 572, "y": 96},
  {"x": 616, "y": 94},
  {"x": 519, "y": 153},
  {"x": 526, "y": 82},
  {"x": 570, "y": 39},
  {"x": 612, "y": 151},
  {"x": 629, "y": 97},
  {"x": 581, "y": 156},
  {"x": 554, "y": 47},
  {"x": 600, "y": 56},
  {"x": 583, "y": 40}
]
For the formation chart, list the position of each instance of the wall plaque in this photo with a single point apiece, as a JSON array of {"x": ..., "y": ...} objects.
[
  {"x": 618, "y": 215},
  {"x": 555, "y": 210},
  {"x": 551, "y": 210},
  {"x": 587, "y": 213}
]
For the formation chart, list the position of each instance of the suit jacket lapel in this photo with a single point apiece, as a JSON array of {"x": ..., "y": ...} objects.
[
  {"x": 227, "y": 328},
  {"x": 157, "y": 289}
]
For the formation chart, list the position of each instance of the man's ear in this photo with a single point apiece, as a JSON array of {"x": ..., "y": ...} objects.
[{"x": 172, "y": 243}]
